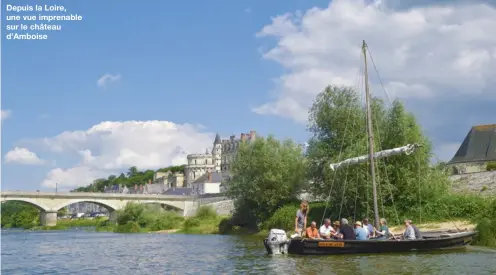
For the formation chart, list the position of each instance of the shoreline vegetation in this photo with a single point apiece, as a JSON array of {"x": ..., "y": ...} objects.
[{"x": 268, "y": 175}]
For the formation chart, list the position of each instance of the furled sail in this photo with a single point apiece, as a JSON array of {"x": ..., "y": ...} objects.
[{"x": 407, "y": 149}]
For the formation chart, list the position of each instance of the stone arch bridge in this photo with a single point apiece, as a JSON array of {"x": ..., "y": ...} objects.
[{"x": 50, "y": 202}]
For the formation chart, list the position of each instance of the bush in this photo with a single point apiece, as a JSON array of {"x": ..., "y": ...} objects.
[
  {"x": 129, "y": 227},
  {"x": 486, "y": 226},
  {"x": 192, "y": 222},
  {"x": 491, "y": 166},
  {"x": 165, "y": 221},
  {"x": 453, "y": 206},
  {"x": 206, "y": 212},
  {"x": 205, "y": 221},
  {"x": 148, "y": 217}
]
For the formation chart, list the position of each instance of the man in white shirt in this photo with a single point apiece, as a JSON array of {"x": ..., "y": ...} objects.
[{"x": 326, "y": 231}]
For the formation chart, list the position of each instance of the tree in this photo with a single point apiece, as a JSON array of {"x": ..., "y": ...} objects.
[
  {"x": 135, "y": 176},
  {"x": 337, "y": 122},
  {"x": 266, "y": 174}
]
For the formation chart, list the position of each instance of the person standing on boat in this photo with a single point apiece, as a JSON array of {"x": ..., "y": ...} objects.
[
  {"x": 383, "y": 234},
  {"x": 301, "y": 218},
  {"x": 370, "y": 228},
  {"x": 361, "y": 233},
  {"x": 409, "y": 234},
  {"x": 346, "y": 230},
  {"x": 326, "y": 231},
  {"x": 312, "y": 232}
]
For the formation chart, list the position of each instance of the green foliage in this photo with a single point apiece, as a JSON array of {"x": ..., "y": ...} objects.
[
  {"x": 337, "y": 122},
  {"x": 206, "y": 212},
  {"x": 486, "y": 225},
  {"x": 206, "y": 221},
  {"x": 132, "y": 177},
  {"x": 128, "y": 227},
  {"x": 149, "y": 217},
  {"x": 453, "y": 206},
  {"x": 491, "y": 166},
  {"x": 19, "y": 215},
  {"x": 266, "y": 174}
]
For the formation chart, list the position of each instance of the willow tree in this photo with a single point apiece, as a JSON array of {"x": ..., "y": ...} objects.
[
  {"x": 266, "y": 174},
  {"x": 337, "y": 122}
]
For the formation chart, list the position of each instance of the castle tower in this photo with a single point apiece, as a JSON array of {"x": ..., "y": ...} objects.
[{"x": 216, "y": 153}]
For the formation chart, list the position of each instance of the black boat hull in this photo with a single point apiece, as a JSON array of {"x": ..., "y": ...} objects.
[{"x": 329, "y": 247}]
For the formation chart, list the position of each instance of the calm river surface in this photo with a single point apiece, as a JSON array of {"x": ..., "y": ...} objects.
[{"x": 83, "y": 252}]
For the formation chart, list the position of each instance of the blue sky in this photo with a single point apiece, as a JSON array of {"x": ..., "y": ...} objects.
[{"x": 187, "y": 62}]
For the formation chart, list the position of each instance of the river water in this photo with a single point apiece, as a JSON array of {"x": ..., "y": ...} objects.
[{"x": 82, "y": 252}]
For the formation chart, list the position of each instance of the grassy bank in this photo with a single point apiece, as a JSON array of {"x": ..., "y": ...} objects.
[
  {"x": 138, "y": 218},
  {"x": 64, "y": 224}
]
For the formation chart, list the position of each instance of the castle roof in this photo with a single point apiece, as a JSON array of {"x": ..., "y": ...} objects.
[
  {"x": 216, "y": 178},
  {"x": 217, "y": 139},
  {"x": 478, "y": 145}
]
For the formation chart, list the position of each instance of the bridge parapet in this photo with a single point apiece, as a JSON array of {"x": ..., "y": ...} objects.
[{"x": 74, "y": 195}]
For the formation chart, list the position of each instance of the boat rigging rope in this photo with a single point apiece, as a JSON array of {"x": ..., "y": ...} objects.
[
  {"x": 348, "y": 167},
  {"x": 408, "y": 152},
  {"x": 339, "y": 155},
  {"x": 419, "y": 186}
]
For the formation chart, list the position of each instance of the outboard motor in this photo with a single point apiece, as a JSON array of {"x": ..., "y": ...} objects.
[{"x": 277, "y": 242}]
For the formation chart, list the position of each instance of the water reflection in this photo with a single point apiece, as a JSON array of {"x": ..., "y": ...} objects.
[{"x": 81, "y": 252}]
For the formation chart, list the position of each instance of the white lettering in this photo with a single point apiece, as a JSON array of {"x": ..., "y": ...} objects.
[{"x": 18, "y": 8}]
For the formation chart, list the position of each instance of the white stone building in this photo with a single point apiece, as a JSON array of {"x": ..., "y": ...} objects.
[
  {"x": 208, "y": 183},
  {"x": 217, "y": 160}
]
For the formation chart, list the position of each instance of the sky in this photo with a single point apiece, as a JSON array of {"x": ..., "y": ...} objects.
[{"x": 146, "y": 83}]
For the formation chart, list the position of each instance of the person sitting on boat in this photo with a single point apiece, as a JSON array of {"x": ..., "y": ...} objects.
[
  {"x": 301, "y": 217},
  {"x": 418, "y": 236},
  {"x": 409, "y": 234},
  {"x": 326, "y": 231},
  {"x": 312, "y": 232},
  {"x": 370, "y": 228},
  {"x": 383, "y": 233},
  {"x": 361, "y": 233},
  {"x": 346, "y": 230},
  {"x": 337, "y": 234}
]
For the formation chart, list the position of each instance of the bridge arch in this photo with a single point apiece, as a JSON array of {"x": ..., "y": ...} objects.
[
  {"x": 105, "y": 204},
  {"x": 29, "y": 201}
]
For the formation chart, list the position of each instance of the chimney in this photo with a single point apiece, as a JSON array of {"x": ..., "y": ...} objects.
[
  {"x": 209, "y": 176},
  {"x": 232, "y": 137},
  {"x": 243, "y": 137}
]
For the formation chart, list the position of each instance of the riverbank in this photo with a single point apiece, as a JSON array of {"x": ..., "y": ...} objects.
[{"x": 65, "y": 224}]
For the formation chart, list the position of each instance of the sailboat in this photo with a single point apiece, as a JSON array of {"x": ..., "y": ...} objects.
[{"x": 278, "y": 243}]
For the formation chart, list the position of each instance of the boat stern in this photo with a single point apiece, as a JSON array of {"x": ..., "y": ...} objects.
[{"x": 277, "y": 242}]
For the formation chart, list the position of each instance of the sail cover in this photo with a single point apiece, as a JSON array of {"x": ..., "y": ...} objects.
[{"x": 407, "y": 149}]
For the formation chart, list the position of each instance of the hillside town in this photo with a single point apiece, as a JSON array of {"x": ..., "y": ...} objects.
[{"x": 203, "y": 175}]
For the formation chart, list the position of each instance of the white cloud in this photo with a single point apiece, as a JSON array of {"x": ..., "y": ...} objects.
[
  {"x": 112, "y": 147},
  {"x": 107, "y": 79},
  {"x": 6, "y": 114},
  {"x": 22, "y": 156},
  {"x": 423, "y": 53}
]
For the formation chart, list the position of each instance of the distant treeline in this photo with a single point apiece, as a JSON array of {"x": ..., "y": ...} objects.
[{"x": 131, "y": 178}]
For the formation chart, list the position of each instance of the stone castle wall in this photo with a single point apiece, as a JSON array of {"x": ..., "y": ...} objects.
[{"x": 483, "y": 183}]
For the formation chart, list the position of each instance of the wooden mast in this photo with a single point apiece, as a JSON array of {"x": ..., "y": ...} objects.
[{"x": 370, "y": 131}]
